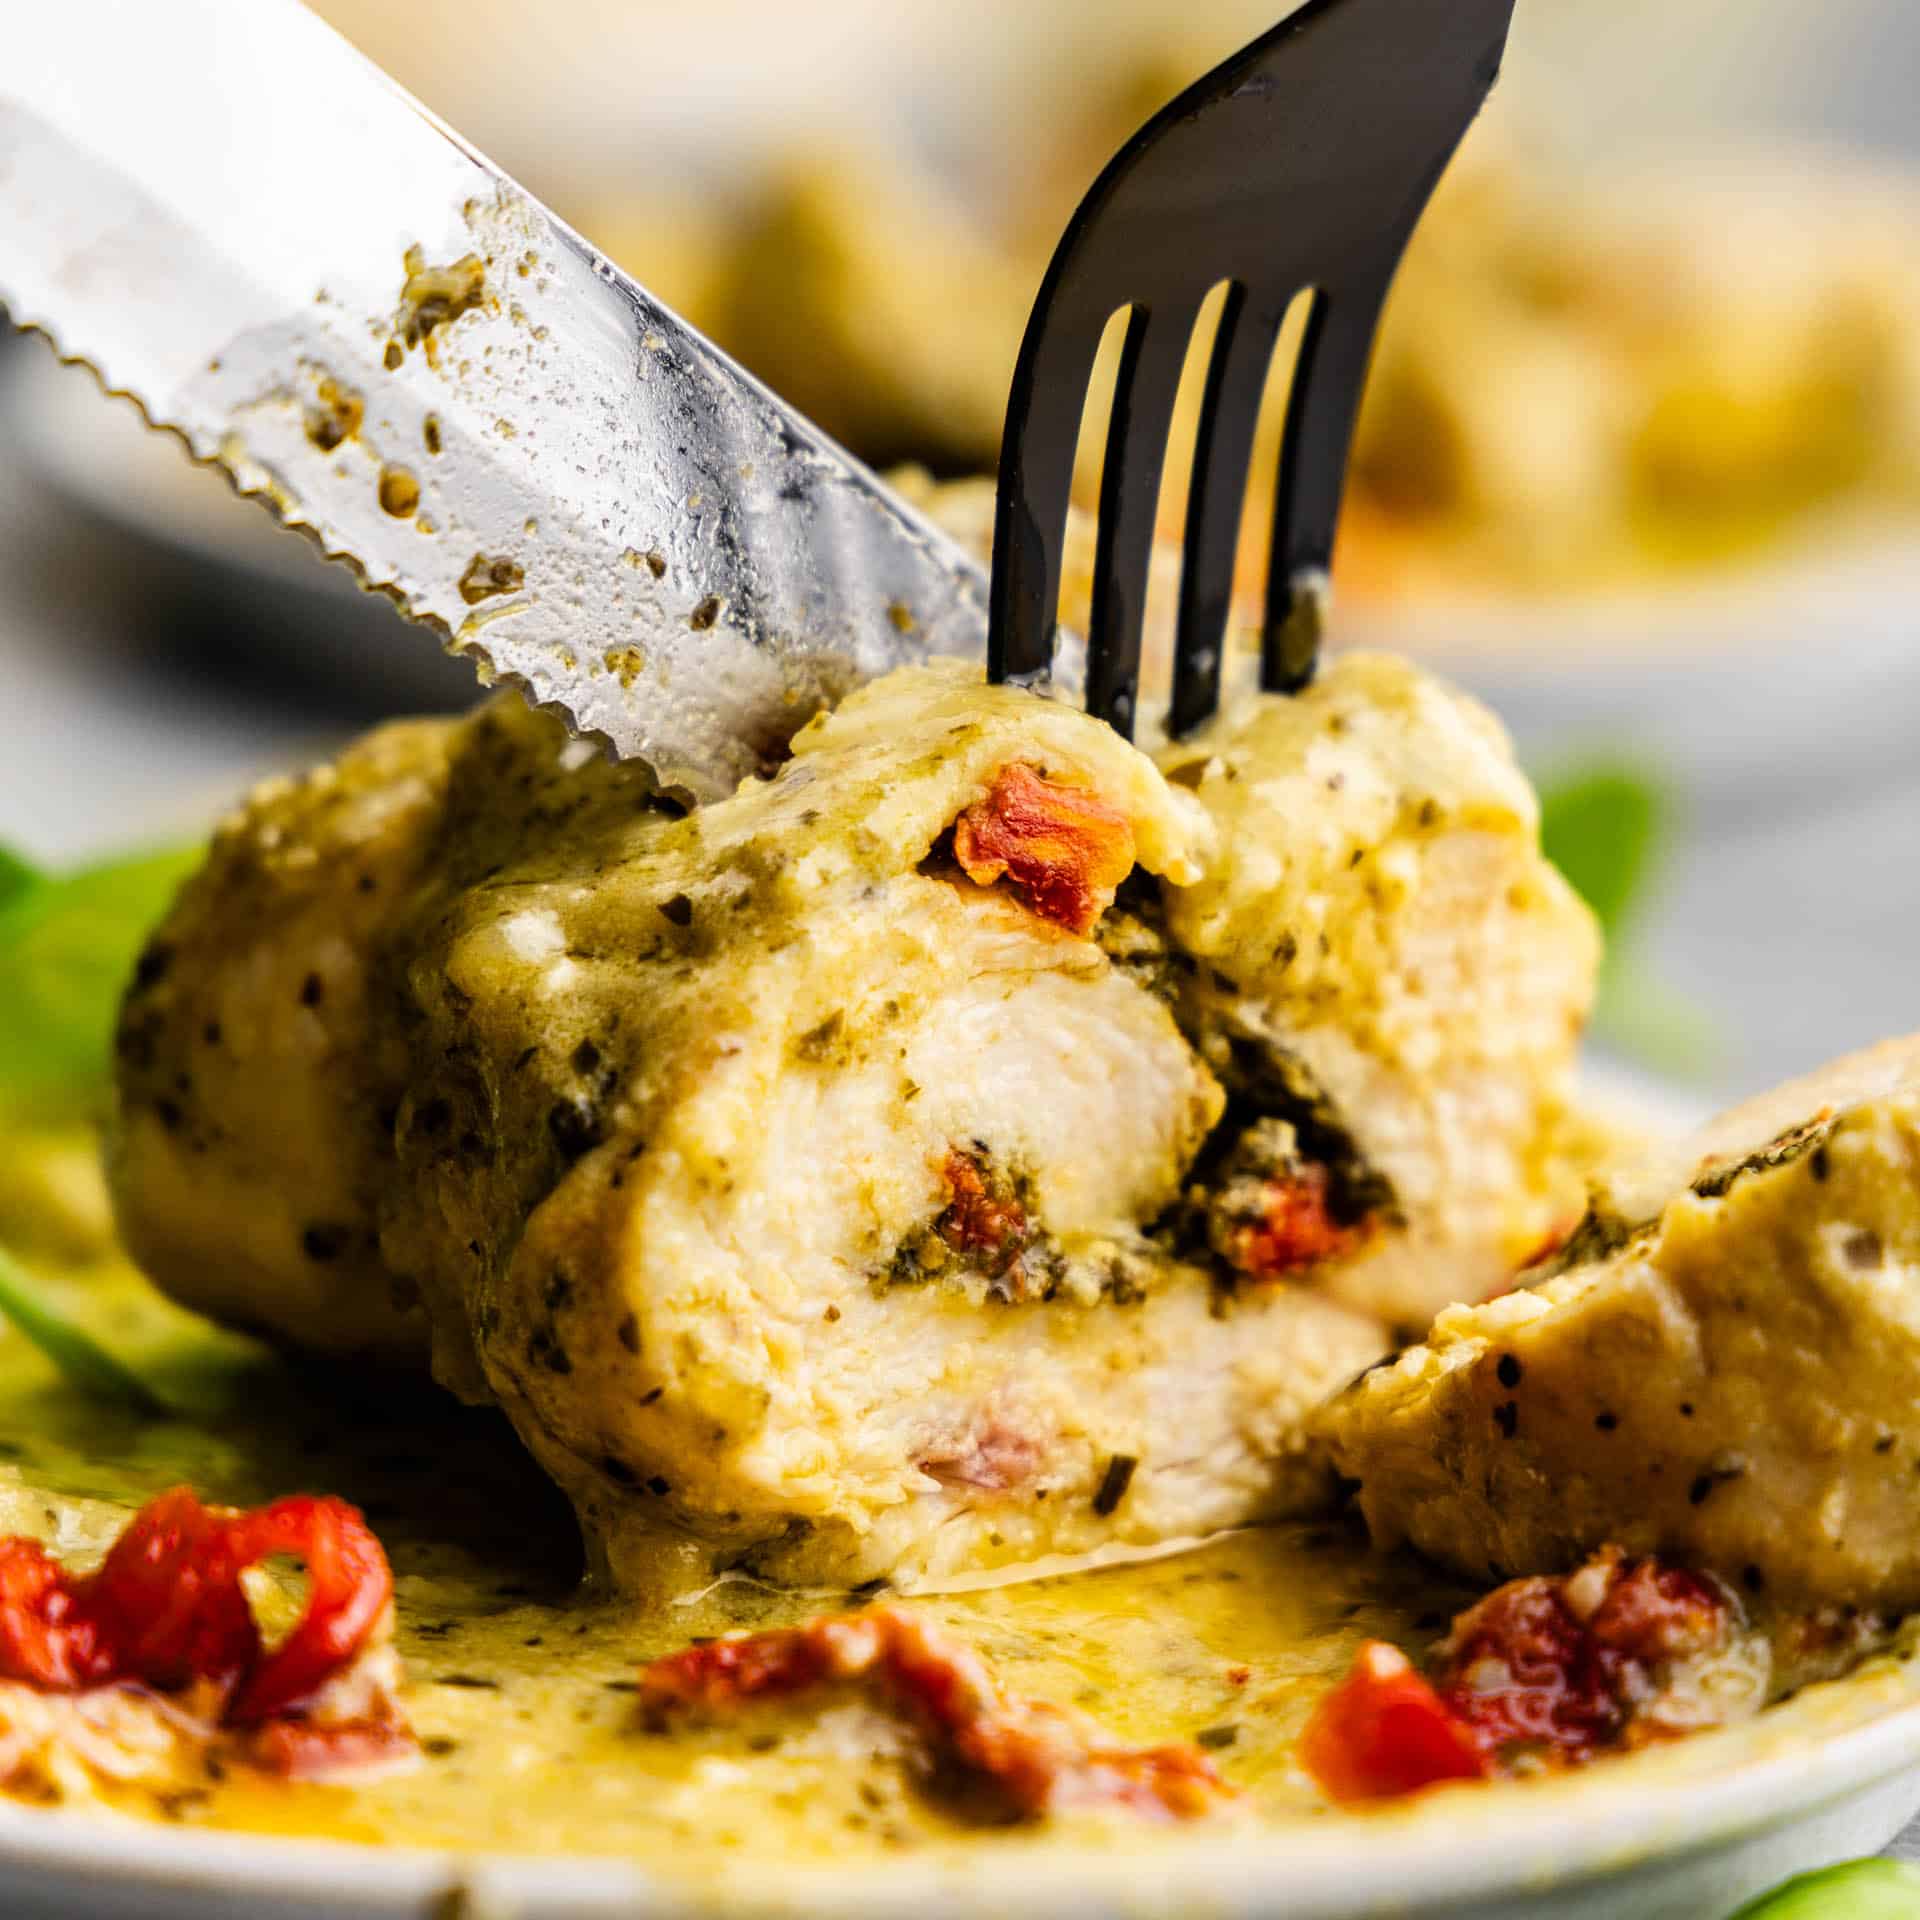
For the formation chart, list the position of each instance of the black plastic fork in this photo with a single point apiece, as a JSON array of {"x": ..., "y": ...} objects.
[{"x": 1302, "y": 163}]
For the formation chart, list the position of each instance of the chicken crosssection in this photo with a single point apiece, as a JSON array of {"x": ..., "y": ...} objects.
[{"x": 1722, "y": 1367}]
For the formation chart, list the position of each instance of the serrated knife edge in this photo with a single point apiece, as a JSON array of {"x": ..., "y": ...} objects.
[{"x": 581, "y": 424}]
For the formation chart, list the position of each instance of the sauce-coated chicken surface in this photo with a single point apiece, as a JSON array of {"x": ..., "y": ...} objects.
[
  {"x": 974, "y": 1143},
  {"x": 1723, "y": 1367}
]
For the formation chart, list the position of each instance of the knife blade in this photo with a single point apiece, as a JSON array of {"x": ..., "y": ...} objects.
[{"x": 238, "y": 222}]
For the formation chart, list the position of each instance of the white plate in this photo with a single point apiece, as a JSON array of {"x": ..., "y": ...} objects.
[
  {"x": 1685, "y": 1832},
  {"x": 1759, "y": 689}
]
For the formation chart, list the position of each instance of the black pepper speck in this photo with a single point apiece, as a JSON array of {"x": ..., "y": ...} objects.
[
  {"x": 1114, "y": 1483},
  {"x": 326, "y": 1240},
  {"x": 575, "y": 1128},
  {"x": 152, "y": 966}
]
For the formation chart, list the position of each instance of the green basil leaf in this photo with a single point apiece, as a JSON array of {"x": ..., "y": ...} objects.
[
  {"x": 1860, "y": 1890},
  {"x": 1604, "y": 826},
  {"x": 68, "y": 943},
  {"x": 78, "y": 1355},
  {"x": 17, "y": 876}
]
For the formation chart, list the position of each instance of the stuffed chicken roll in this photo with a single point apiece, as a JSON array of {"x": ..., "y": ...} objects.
[{"x": 843, "y": 1181}]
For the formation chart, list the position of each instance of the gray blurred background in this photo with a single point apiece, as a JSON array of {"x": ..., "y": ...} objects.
[{"x": 157, "y": 651}]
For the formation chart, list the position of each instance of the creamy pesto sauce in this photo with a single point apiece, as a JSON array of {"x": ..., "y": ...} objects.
[{"x": 520, "y": 1681}]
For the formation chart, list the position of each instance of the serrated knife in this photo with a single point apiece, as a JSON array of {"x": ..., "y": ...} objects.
[{"x": 239, "y": 222}]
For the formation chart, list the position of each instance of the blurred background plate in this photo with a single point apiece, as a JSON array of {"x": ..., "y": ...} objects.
[
  {"x": 1789, "y": 684},
  {"x": 234, "y": 594}
]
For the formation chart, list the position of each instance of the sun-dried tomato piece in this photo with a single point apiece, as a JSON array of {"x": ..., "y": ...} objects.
[
  {"x": 1295, "y": 1230},
  {"x": 1065, "y": 849},
  {"x": 1655, "y": 1612},
  {"x": 1384, "y": 1731},
  {"x": 349, "y": 1588},
  {"x": 723, "y": 1674},
  {"x": 1560, "y": 1666},
  {"x": 297, "y": 1749},
  {"x": 167, "y": 1608},
  {"x": 1036, "y": 1757},
  {"x": 1526, "y": 1673},
  {"x": 982, "y": 1214},
  {"x": 167, "y": 1599},
  {"x": 1549, "y": 1671},
  {"x": 43, "y": 1640}
]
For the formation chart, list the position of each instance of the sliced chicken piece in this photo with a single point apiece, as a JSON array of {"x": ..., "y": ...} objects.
[
  {"x": 831, "y": 1165},
  {"x": 823, "y": 1182},
  {"x": 1725, "y": 1369},
  {"x": 1385, "y": 959},
  {"x": 257, "y": 1075},
  {"x": 785, "y": 1170}
]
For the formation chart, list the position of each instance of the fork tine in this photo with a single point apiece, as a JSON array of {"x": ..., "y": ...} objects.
[
  {"x": 1313, "y": 464},
  {"x": 1229, "y": 414},
  {"x": 1036, "y": 484},
  {"x": 1303, "y": 161},
  {"x": 1151, "y": 360}
]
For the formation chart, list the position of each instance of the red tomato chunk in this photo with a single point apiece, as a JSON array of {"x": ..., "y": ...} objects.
[
  {"x": 166, "y": 1607},
  {"x": 1296, "y": 1231},
  {"x": 1038, "y": 1758},
  {"x": 979, "y": 1217},
  {"x": 1063, "y": 849},
  {"x": 1383, "y": 1731},
  {"x": 1542, "y": 1672}
]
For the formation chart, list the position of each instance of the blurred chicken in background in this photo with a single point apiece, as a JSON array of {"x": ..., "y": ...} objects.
[
  {"x": 1578, "y": 381},
  {"x": 860, "y": 203}
]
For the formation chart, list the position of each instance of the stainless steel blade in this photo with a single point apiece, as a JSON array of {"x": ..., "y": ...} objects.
[{"x": 240, "y": 223}]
